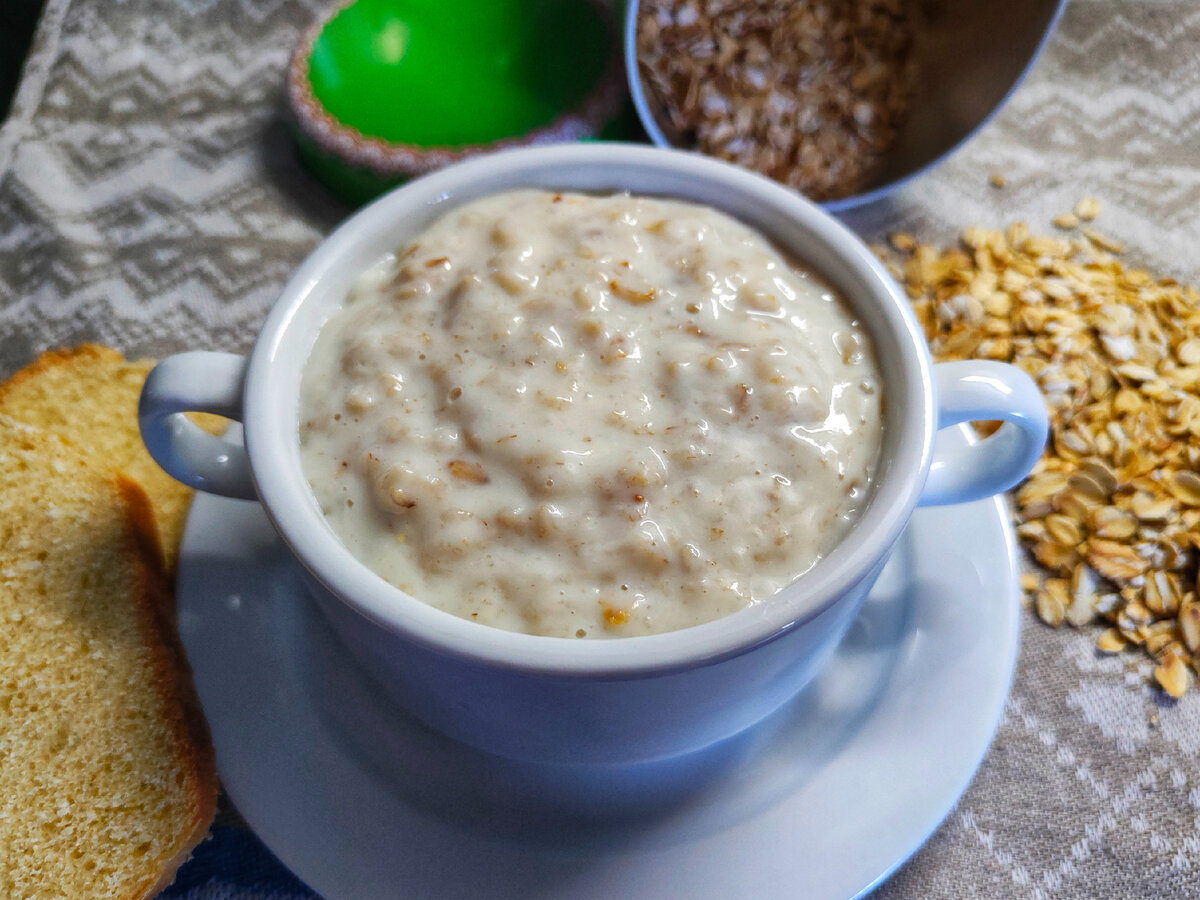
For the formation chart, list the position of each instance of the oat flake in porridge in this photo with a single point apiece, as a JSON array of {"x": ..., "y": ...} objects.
[{"x": 587, "y": 416}]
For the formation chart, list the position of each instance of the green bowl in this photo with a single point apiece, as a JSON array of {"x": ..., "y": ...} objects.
[{"x": 382, "y": 90}]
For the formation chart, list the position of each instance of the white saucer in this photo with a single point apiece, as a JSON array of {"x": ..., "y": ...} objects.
[{"x": 823, "y": 800}]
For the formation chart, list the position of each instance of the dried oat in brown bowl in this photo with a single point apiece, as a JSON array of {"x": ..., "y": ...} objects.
[{"x": 844, "y": 100}]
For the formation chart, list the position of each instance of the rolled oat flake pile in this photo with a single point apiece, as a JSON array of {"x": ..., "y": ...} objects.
[{"x": 1111, "y": 513}]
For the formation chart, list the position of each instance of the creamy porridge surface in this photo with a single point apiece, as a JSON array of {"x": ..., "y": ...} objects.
[{"x": 588, "y": 416}]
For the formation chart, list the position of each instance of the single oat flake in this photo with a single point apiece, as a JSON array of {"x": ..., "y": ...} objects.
[{"x": 1111, "y": 513}]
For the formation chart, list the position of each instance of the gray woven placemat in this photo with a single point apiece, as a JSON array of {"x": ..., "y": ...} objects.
[{"x": 149, "y": 198}]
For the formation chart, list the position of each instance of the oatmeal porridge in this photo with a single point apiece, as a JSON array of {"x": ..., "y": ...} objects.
[{"x": 590, "y": 416}]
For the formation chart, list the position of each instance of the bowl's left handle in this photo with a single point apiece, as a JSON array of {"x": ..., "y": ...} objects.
[{"x": 196, "y": 382}]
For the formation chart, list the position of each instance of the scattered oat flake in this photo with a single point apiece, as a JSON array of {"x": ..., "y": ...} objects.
[
  {"x": 1111, "y": 513},
  {"x": 1050, "y": 608},
  {"x": 997, "y": 180},
  {"x": 1173, "y": 675},
  {"x": 1103, "y": 241},
  {"x": 1066, "y": 221},
  {"x": 1087, "y": 209},
  {"x": 1189, "y": 626},
  {"x": 1111, "y": 641}
]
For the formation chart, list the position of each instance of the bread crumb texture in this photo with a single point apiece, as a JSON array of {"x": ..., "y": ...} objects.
[
  {"x": 106, "y": 775},
  {"x": 88, "y": 396}
]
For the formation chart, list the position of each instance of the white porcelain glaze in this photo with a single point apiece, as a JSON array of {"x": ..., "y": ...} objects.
[
  {"x": 819, "y": 802},
  {"x": 640, "y": 698}
]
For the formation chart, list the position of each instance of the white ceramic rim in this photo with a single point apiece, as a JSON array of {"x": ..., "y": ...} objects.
[{"x": 272, "y": 397}]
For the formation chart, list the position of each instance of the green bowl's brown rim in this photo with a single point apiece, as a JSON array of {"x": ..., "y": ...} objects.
[{"x": 389, "y": 159}]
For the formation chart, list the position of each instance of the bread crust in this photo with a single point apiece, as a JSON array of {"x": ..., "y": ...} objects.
[
  {"x": 158, "y": 620},
  {"x": 56, "y": 357},
  {"x": 21, "y": 393}
]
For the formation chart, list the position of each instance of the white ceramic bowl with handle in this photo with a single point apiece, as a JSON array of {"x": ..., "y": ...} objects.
[{"x": 592, "y": 701}]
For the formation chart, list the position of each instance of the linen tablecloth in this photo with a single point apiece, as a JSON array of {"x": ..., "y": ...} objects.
[{"x": 150, "y": 199}]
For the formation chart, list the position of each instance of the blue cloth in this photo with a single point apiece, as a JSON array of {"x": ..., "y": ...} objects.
[{"x": 233, "y": 864}]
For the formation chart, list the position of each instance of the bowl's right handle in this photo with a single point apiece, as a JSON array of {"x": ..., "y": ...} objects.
[
  {"x": 980, "y": 390},
  {"x": 196, "y": 382}
]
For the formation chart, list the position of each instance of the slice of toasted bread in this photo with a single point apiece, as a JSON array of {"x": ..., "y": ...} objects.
[
  {"x": 88, "y": 396},
  {"x": 106, "y": 771}
]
